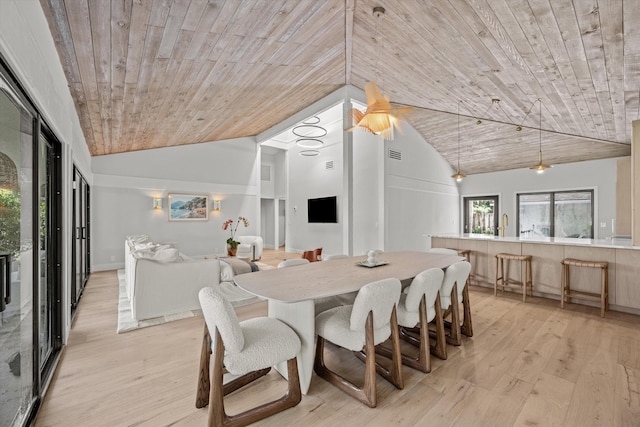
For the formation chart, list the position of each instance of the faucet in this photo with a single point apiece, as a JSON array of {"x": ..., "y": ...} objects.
[{"x": 505, "y": 222}]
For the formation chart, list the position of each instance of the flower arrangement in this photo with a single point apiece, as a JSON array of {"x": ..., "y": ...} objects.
[{"x": 228, "y": 225}]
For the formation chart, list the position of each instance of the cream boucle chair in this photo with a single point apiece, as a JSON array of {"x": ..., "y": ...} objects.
[
  {"x": 247, "y": 349},
  {"x": 292, "y": 262},
  {"x": 250, "y": 247},
  {"x": 417, "y": 307},
  {"x": 334, "y": 256},
  {"x": 443, "y": 251},
  {"x": 454, "y": 289},
  {"x": 367, "y": 323}
]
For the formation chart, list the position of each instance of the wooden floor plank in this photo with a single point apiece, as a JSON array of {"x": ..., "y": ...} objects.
[
  {"x": 548, "y": 402},
  {"x": 527, "y": 364}
]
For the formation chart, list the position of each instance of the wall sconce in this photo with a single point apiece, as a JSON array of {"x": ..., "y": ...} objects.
[
  {"x": 216, "y": 205},
  {"x": 157, "y": 203}
]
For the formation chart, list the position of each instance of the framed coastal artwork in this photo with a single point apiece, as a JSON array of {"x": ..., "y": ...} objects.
[{"x": 188, "y": 207}]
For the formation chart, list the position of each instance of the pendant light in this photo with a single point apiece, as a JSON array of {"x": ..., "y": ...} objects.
[
  {"x": 380, "y": 117},
  {"x": 540, "y": 167},
  {"x": 458, "y": 176}
]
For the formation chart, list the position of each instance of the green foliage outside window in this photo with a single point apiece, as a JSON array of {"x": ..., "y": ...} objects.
[{"x": 9, "y": 222}]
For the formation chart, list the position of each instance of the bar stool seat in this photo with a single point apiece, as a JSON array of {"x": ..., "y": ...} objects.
[
  {"x": 568, "y": 293},
  {"x": 502, "y": 275}
]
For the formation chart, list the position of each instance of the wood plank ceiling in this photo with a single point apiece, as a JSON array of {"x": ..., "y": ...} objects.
[{"x": 156, "y": 73}]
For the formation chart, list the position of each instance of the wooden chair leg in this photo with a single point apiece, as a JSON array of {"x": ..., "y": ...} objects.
[
  {"x": 423, "y": 361},
  {"x": 495, "y": 283},
  {"x": 368, "y": 393},
  {"x": 393, "y": 375},
  {"x": 454, "y": 334},
  {"x": 523, "y": 280},
  {"x": 467, "y": 326},
  {"x": 563, "y": 279},
  {"x": 439, "y": 349},
  {"x": 217, "y": 413},
  {"x": 204, "y": 383}
]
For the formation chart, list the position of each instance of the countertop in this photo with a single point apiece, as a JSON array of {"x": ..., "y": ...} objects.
[{"x": 611, "y": 243}]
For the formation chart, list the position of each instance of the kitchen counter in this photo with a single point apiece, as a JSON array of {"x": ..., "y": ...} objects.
[
  {"x": 547, "y": 254},
  {"x": 617, "y": 243}
]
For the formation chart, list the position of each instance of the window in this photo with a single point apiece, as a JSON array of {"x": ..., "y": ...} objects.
[
  {"x": 556, "y": 214},
  {"x": 480, "y": 215}
]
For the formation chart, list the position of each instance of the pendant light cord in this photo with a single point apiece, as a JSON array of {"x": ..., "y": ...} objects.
[{"x": 459, "y": 136}]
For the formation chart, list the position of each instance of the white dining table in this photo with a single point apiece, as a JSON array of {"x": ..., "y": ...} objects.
[{"x": 291, "y": 291}]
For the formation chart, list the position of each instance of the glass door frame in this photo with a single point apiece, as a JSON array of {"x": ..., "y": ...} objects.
[
  {"x": 41, "y": 370},
  {"x": 80, "y": 271},
  {"x": 53, "y": 248}
]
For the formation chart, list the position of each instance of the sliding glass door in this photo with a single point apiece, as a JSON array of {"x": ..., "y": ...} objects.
[
  {"x": 81, "y": 222},
  {"x": 17, "y": 253},
  {"x": 30, "y": 254}
]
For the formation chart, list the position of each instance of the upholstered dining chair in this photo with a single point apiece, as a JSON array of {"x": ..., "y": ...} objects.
[
  {"x": 419, "y": 306},
  {"x": 292, "y": 262},
  {"x": 248, "y": 349},
  {"x": 334, "y": 256},
  {"x": 363, "y": 325},
  {"x": 453, "y": 290}
]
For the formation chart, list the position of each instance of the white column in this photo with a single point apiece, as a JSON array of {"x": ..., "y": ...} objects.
[{"x": 347, "y": 177}]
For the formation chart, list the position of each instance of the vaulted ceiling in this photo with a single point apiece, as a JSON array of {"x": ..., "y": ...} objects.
[{"x": 156, "y": 73}]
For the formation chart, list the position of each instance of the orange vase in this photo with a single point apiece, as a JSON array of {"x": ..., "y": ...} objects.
[{"x": 231, "y": 251}]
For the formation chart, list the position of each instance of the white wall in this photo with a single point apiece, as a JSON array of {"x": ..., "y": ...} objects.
[
  {"x": 420, "y": 197},
  {"x": 368, "y": 194},
  {"x": 308, "y": 178},
  {"x": 124, "y": 185},
  {"x": 599, "y": 175}
]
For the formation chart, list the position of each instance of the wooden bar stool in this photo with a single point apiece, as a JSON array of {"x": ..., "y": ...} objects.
[
  {"x": 565, "y": 288},
  {"x": 503, "y": 279},
  {"x": 467, "y": 254}
]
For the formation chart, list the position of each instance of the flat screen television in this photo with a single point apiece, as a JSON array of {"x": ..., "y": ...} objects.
[{"x": 323, "y": 210}]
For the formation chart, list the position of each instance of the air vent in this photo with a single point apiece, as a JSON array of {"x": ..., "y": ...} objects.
[
  {"x": 329, "y": 164},
  {"x": 265, "y": 173},
  {"x": 395, "y": 155}
]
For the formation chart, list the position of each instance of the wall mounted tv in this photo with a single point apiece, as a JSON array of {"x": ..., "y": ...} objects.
[{"x": 324, "y": 209}]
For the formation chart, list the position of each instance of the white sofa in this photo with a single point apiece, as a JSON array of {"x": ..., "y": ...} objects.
[
  {"x": 249, "y": 247},
  {"x": 161, "y": 281},
  {"x": 169, "y": 288}
]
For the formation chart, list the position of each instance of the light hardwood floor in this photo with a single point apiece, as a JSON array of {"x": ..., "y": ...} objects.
[{"x": 527, "y": 364}]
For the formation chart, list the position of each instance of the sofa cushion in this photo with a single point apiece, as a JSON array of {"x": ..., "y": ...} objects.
[
  {"x": 226, "y": 272},
  {"x": 138, "y": 238},
  {"x": 162, "y": 254}
]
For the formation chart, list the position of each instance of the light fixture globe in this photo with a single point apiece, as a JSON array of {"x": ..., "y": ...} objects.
[
  {"x": 540, "y": 167},
  {"x": 458, "y": 176}
]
